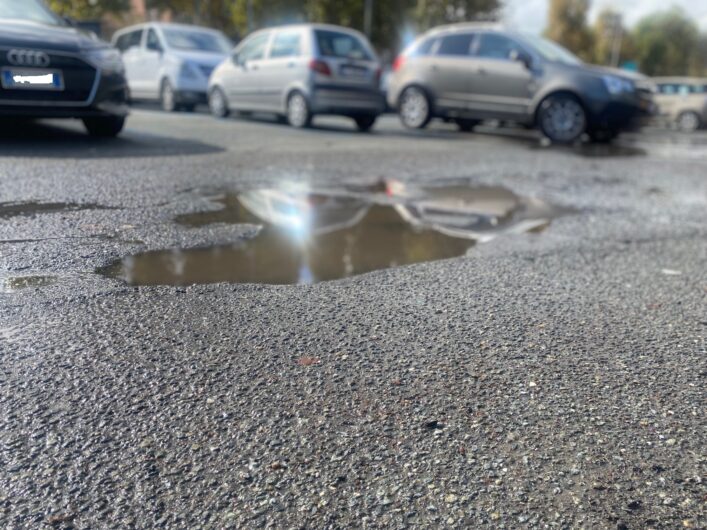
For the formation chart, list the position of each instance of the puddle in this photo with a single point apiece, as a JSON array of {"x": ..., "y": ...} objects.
[
  {"x": 307, "y": 236},
  {"x": 30, "y": 209},
  {"x": 18, "y": 283},
  {"x": 597, "y": 150}
]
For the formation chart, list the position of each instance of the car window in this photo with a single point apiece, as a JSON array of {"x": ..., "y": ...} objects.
[
  {"x": 341, "y": 45},
  {"x": 254, "y": 48},
  {"x": 286, "y": 45},
  {"x": 153, "y": 41},
  {"x": 196, "y": 41},
  {"x": 457, "y": 44},
  {"x": 423, "y": 48},
  {"x": 129, "y": 40},
  {"x": 494, "y": 46}
]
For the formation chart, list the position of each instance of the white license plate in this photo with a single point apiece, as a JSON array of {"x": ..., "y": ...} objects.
[
  {"x": 354, "y": 71},
  {"x": 31, "y": 79}
]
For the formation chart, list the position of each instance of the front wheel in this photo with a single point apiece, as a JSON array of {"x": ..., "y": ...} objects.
[
  {"x": 414, "y": 108},
  {"x": 104, "y": 127},
  {"x": 689, "y": 122},
  {"x": 562, "y": 119},
  {"x": 298, "y": 113},
  {"x": 364, "y": 123},
  {"x": 218, "y": 103}
]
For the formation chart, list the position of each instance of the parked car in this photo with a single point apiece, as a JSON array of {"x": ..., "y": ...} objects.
[
  {"x": 49, "y": 69},
  {"x": 472, "y": 72},
  {"x": 682, "y": 101},
  {"x": 171, "y": 63},
  {"x": 298, "y": 72}
]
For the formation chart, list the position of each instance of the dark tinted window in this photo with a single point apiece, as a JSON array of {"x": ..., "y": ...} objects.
[
  {"x": 342, "y": 45},
  {"x": 153, "y": 41},
  {"x": 129, "y": 40},
  {"x": 458, "y": 44},
  {"x": 493, "y": 46},
  {"x": 286, "y": 45}
]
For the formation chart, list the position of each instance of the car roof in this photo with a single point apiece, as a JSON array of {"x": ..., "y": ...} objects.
[
  {"x": 468, "y": 26},
  {"x": 313, "y": 26},
  {"x": 164, "y": 25}
]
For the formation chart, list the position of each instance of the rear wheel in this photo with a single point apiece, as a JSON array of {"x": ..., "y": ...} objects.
[
  {"x": 562, "y": 119},
  {"x": 218, "y": 103},
  {"x": 364, "y": 123},
  {"x": 168, "y": 97},
  {"x": 414, "y": 108},
  {"x": 298, "y": 113},
  {"x": 104, "y": 127},
  {"x": 689, "y": 121},
  {"x": 466, "y": 125}
]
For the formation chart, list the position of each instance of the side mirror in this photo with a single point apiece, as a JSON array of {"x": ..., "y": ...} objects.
[{"x": 521, "y": 57}]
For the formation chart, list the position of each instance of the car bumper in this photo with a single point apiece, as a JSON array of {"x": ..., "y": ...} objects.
[
  {"x": 627, "y": 113},
  {"x": 346, "y": 101},
  {"x": 110, "y": 99}
]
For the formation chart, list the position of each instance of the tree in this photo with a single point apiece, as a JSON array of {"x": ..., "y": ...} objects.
[
  {"x": 613, "y": 43},
  {"x": 667, "y": 43},
  {"x": 568, "y": 26},
  {"x": 88, "y": 9},
  {"x": 430, "y": 13}
]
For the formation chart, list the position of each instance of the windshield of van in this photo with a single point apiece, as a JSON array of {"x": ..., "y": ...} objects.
[
  {"x": 197, "y": 41},
  {"x": 341, "y": 45},
  {"x": 551, "y": 51},
  {"x": 31, "y": 10}
]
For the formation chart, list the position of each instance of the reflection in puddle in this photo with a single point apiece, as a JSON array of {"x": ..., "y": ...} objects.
[
  {"x": 308, "y": 237},
  {"x": 30, "y": 209},
  {"x": 17, "y": 283},
  {"x": 597, "y": 150}
]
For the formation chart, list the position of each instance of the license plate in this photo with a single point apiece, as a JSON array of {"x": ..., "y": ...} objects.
[
  {"x": 31, "y": 79},
  {"x": 354, "y": 71}
]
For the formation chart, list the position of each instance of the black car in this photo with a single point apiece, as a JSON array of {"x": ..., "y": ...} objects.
[{"x": 49, "y": 69}]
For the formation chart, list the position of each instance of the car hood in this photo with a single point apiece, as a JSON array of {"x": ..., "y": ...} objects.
[
  {"x": 607, "y": 70},
  {"x": 201, "y": 58},
  {"x": 25, "y": 34}
]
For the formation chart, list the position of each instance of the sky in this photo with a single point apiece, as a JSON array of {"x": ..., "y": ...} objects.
[{"x": 531, "y": 15}]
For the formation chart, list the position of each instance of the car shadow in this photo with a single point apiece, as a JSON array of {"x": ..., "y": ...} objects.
[{"x": 66, "y": 140}]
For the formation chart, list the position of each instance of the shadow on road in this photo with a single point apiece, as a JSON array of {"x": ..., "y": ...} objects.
[{"x": 66, "y": 140}]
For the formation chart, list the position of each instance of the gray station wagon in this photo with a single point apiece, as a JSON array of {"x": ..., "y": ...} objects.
[
  {"x": 472, "y": 72},
  {"x": 298, "y": 72}
]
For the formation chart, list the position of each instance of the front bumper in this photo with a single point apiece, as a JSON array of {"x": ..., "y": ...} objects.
[
  {"x": 109, "y": 99},
  {"x": 624, "y": 113},
  {"x": 346, "y": 101}
]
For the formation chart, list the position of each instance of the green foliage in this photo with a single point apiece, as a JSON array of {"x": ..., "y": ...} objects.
[
  {"x": 668, "y": 43},
  {"x": 568, "y": 26},
  {"x": 88, "y": 9}
]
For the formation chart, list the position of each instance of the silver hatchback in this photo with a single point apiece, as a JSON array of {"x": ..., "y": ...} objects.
[{"x": 298, "y": 72}]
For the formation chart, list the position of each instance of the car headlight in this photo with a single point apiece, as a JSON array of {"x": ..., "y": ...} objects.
[
  {"x": 618, "y": 85},
  {"x": 106, "y": 59}
]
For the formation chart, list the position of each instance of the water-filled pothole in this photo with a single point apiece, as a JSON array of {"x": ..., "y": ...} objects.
[
  {"x": 311, "y": 236},
  {"x": 17, "y": 283},
  {"x": 30, "y": 208}
]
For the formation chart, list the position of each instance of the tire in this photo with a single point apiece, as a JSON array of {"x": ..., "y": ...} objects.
[
  {"x": 689, "y": 122},
  {"x": 168, "y": 97},
  {"x": 218, "y": 104},
  {"x": 466, "y": 125},
  {"x": 298, "y": 113},
  {"x": 365, "y": 123},
  {"x": 562, "y": 119},
  {"x": 105, "y": 127},
  {"x": 414, "y": 108}
]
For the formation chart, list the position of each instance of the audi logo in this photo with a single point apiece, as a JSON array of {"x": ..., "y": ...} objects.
[{"x": 28, "y": 58}]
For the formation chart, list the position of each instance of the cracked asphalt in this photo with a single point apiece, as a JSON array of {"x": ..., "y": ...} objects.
[{"x": 552, "y": 380}]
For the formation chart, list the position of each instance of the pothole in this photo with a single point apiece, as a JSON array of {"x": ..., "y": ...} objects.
[
  {"x": 30, "y": 208},
  {"x": 309, "y": 236},
  {"x": 17, "y": 283}
]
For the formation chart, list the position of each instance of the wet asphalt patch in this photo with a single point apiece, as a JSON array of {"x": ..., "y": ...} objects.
[
  {"x": 32, "y": 208},
  {"x": 308, "y": 236}
]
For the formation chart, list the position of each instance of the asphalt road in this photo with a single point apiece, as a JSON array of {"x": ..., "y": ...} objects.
[{"x": 552, "y": 380}]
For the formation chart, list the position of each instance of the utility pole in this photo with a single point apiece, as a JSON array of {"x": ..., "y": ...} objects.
[
  {"x": 616, "y": 27},
  {"x": 249, "y": 14},
  {"x": 368, "y": 18},
  {"x": 197, "y": 11}
]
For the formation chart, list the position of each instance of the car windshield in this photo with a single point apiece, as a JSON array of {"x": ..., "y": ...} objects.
[
  {"x": 551, "y": 51},
  {"x": 198, "y": 41},
  {"x": 341, "y": 45},
  {"x": 32, "y": 10}
]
